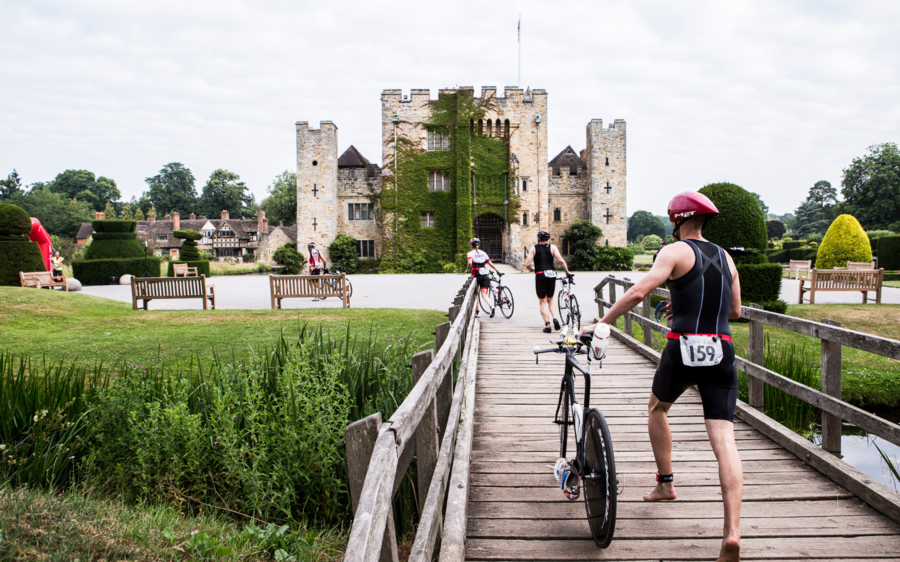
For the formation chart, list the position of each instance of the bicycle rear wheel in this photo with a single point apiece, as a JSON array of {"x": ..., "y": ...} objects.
[
  {"x": 574, "y": 313},
  {"x": 486, "y": 300},
  {"x": 600, "y": 484},
  {"x": 560, "y": 303},
  {"x": 349, "y": 288},
  {"x": 507, "y": 305}
]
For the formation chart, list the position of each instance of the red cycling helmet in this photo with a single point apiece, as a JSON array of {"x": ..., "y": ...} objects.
[{"x": 689, "y": 204}]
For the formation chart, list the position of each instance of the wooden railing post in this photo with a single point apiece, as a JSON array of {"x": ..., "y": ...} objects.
[
  {"x": 359, "y": 439},
  {"x": 427, "y": 446},
  {"x": 648, "y": 333},
  {"x": 757, "y": 391},
  {"x": 628, "y": 329},
  {"x": 444, "y": 392},
  {"x": 831, "y": 385},
  {"x": 612, "y": 297}
]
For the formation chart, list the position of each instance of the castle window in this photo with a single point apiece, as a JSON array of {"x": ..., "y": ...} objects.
[
  {"x": 480, "y": 127},
  {"x": 365, "y": 249},
  {"x": 489, "y": 128},
  {"x": 565, "y": 246},
  {"x": 438, "y": 140},
  {"x": 438, "y": 181},
  {"x": 360, "y": 212},
  {"x": 524, "y": 219},
  {"x": 162, "y": 237},
  {"x": 524, "y": 185},
  {"x": 506, "y": 127},
  {"x": 428, "y": 220},
  {"x": 498, "y": 131},
  {"x": 352, "y": 173},
  {"x": 557, "y": 215}
]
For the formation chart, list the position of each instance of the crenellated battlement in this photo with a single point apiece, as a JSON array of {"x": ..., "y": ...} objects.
[
  {"x": 324, "y": 127},
  {"x": 510, "y": 93}
]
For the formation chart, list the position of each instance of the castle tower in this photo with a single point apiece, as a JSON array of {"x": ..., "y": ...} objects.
[
  {"x": 317, "y": 182},
  {"x": 605, "y": 155}
]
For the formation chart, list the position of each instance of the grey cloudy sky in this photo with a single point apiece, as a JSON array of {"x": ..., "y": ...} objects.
[{"x": 770, "y": 95}]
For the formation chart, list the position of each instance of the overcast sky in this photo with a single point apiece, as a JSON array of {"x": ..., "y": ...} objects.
[{"x": 770, "y": 95}]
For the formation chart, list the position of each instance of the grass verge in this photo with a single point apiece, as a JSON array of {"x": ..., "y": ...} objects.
[{"x": 86, "y": 329}]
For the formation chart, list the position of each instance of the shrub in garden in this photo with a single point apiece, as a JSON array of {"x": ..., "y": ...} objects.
[
  {"x": 249, "y": 257},
  {"x": 582, "y": 235},
  {"x": 189, "y": 253},
  {"x": 889, "y": 252},
  {"x": 651, "y": 243},
  {"x": 342, "y": 252},
  {"x": 289, "y": 258},
  {"x": 636, "y": 249},
  {"x": 760, "y": 282},
  {"x": 114, "y": 239},
  {"x": 791, "y": 244},
  {"x": 17, "y": 252},
  {"x": 740, "y": 223},
  {"x": 611, "y": 258},
  {"x": 845, "y": 241},
  {"x": 752, "y": 257}
]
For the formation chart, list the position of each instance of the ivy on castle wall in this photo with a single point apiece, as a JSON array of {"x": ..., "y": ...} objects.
[{"x": 405, "y": 197}]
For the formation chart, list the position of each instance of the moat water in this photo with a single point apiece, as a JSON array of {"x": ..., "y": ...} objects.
[{"x": 859, "y": 451}]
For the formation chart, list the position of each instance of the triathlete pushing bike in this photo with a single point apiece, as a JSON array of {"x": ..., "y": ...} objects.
[
  {"x": 706, "y": 293},
  {"x": 477, "y": 262},
  {"x": 543, "y": 254}
]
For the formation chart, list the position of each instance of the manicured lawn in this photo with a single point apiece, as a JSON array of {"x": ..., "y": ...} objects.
[
  {"x": 72, "y": 326},
  {"x": 869, "y": 381},
  {"x": 891, "y": 283},
  {"x": 643, "y": 258}
]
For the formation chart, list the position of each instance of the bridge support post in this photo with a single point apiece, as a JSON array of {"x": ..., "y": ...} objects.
[
  {"x": 831, "y": 385},
  {"x": 757, "y": 388},
  {"x": 427, "y": 434},
  {"x": 359, "y": 439},
  {"x": 444, "y": 395}
]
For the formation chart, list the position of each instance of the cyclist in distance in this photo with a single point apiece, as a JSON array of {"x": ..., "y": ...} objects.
[
  {"x": 316, "y": 263},
  {"x": 705, "y": 294},
  {"x": 477, "y": 262},
  {"x": 542, "y": 254}
]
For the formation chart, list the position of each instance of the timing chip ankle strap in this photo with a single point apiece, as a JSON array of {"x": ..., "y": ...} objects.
[{"x": 664, "y": 478}]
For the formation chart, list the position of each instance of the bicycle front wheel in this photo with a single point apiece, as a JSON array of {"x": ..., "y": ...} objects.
[
  {"x": 506, "y": 303},
  {"x": 560, "y": 302},
  {"x": 600, "y": 483},
  {"x": 349, "y": 289},
  {"x": 574, "y": 313},
  {"x": 486, "y": 299}
]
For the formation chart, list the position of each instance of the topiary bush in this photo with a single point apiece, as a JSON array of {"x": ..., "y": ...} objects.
[
  {"x": 189, "y": 251},
  {"x": 636, "y": 249},
  {"x": 114, "y": 239},
  {"x": 187, "y": 235},
  {"x": 17, "y": 252},
  {"x": 289, "y": 258},
  {"x": 740, "y": 223},
  {"x": 749, "y": 257},
  {"x": 201, "y": 265},
  {"x": 342, "y": 252},
  {"x": 98, "y": 272},
  {"x": 889, "y": 252},
  {"x": 651, "y": 243},
  {"x": 114, "y": 225},
  {"x": 612, "y": 258},
  {"x": 845, "y": 241},
  {"x": 760, "y": 283},
  {"x": 790, "y": 245}
]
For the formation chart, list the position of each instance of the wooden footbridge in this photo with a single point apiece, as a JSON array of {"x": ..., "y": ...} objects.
[{"x": 481, "y": 448}]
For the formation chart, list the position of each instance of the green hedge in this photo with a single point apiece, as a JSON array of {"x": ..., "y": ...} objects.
[
  {"x": 785, "y": 256},
  {"x": 14, "y": 221},
  {"x": 740, "y": 223},
  {"x": 187, "y": 235},
  {"x": 760, "y": 283},
  {"x": 369, "y": 265},
  {"x": 889, "y": 252},
  {"x": 201, "y": 265},
  {"x": 114, "y": 249},
  {"x": 19, "y": 255},
  {"x": 97, "y": 272},
  {"x": 114, "y": 225},
  {"x": 113, "y": 236},
  {"x": 612, "y": 258},
  {"x": 791, "y": 245},
  {"x": 891, "y": 276},
  {"x": 749, "y": 257}
]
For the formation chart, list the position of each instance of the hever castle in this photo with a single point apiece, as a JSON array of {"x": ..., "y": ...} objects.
[{"x": 455, "y": 167}]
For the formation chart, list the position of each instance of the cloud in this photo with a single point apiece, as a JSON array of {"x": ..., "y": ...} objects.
[{"x": 768, "y": 94}]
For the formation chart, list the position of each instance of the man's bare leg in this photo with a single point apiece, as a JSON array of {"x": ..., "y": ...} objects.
[
  {"x": 731, "y": 479},
  {"x": 545, "y": 310},
  {"x": 661, "y": 441}
]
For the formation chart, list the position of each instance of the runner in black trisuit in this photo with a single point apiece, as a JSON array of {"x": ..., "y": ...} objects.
[
  {"x": 543, "y": 254},
  {"x": 706, "y": 293}
]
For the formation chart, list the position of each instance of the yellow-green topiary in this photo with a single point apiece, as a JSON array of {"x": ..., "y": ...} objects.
[{"x": 845, "y": 241}]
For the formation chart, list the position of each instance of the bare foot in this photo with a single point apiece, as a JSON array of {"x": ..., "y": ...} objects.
[
  {"x": 662, "y": 492},
  {"x": 731, "y": 550}
]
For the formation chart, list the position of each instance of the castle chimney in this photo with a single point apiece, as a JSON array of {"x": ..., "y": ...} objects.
[
  {"x": 193, "y": 216},
  {"x": 262, "y": 224},
  {"x": 224, "y": 214},
  {"x": 99, "y": 216},
  {"x": 176, "y": 221},
  {"x": 152, "y": 217},
  {"x": 281, "y": 223}
]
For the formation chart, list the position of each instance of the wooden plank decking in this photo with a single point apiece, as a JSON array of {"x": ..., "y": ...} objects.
[{"x": 790, "y": 511}]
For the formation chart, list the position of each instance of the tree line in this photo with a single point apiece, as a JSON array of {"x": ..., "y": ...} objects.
[
  {"x": 74, "y": 196},
  {"x": 870, "y": 187}
]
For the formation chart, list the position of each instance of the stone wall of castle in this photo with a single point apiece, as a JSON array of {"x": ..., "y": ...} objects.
[
  {"x": 570, "y": 195},
  {"x": 355, "y": 187},
  {"x": 605, "y": 155},
  {"x": 317, "y": 184}
]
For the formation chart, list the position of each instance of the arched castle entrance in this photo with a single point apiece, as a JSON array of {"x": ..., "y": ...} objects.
[{"x": 489, "y": 228}]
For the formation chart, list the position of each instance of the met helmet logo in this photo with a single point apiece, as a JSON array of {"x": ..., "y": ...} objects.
[{"x": 684, "y": 214}]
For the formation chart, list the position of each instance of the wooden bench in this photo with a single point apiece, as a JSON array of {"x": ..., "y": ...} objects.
[
  {"x": 842, "y": 280},
  {"x": 42, "y": 280},
  {"x": 307, "y": 286},
  {"x": 149, "y": 288},
  {"x": 798, "y": 267},
  {"x": 182, "y": 270}
]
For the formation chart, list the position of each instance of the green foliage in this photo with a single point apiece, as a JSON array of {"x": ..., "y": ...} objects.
[
  {"x": 113, "y": 236},
  {"x": 871, "y": 187},
  {"x": 651, "y": 242},
  {"x": 762, "y": 206},
  {"x": 84, "y": 186},
  {"x": 57, "y": 214},
  {"x": 775, "y": 229},
  {"x": 369, "y": 266},
  {"x": 205, "y": 255},
  {"x": 642, "y": 223},
  {"x": 814, "y": 237},
  {"x": 845, "y": 241},
  {"x": 281, "y": 204},
  {"x": 14, "y": 221},
  {"x": 889, "y": 252},
  {"x": 173, "y": 189},
  {"x": 636, "y": 249},
  {"x": 66, "y": 247},
  {"x": 223, "y": 191},
  {"x": 583, "y": 250},
  {"x": 98, "y": 271},
  {"x": 18, "y": 255},
  {"x": 760, "y": 283},
  {"x": 289, "y": 258},
  {"x": 187, "y": 235},
  {"x": 11, "y": 186},
  {"x": 740, "y": 223},
  {"x": 113, "y": 225},
  {"x": 790, "y": 245},
  {"x": 342, "y": 252},
  {"x": 816, "y": 213},
  {"x": 611, "y": 258},
  {"x": 777, "y": 306},
  {"x": 749, "y": 257},
  {"x": 201, "y": 265},
  {"x": 114, "y": 249}
]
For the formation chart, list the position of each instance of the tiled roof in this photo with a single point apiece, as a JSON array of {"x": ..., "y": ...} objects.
[
  {"x": 567, "y": 159},
  {"x": 352, "y": 158},
  {"x": 85, "y": 231}
]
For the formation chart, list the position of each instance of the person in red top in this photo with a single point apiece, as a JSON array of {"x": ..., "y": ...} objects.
[
  {"x": 478, "y": 260},
  {"x": 316, "y": 264}
]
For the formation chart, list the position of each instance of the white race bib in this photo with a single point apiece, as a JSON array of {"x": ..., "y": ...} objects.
[
  {"x": 550, "y": 274},
  {"x": 482, "y": 271},
  {"x": 701, "y": 351}
]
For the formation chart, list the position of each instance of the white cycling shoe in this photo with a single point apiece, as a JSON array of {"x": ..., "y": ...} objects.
[{"x": 567, "y": 478}]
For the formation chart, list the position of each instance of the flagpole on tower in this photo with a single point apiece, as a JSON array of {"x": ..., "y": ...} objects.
[{"x": 519, "y": 82}]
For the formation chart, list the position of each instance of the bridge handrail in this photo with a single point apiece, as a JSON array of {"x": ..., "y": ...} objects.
[
  {"x": 828, "y": 400},
  {"x": 397, "y": 439}
]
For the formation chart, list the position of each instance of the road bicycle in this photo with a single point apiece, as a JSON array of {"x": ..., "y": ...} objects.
[
  {"x": 498, "y": 295},
  {"x": 594, "y": 465},
  {"x": 337, "y": 271},
  {"x": 568, "y": 304}
]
